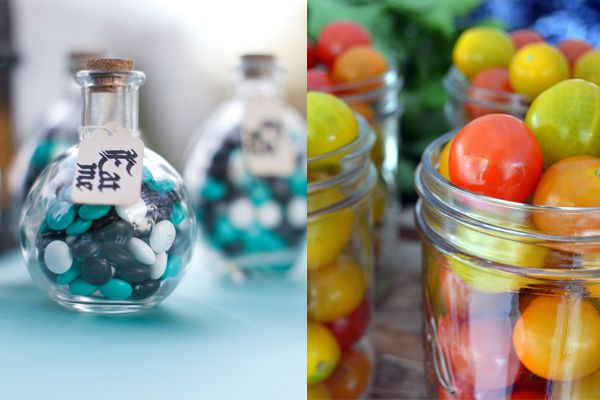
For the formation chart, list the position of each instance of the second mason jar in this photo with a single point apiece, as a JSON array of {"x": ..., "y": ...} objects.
[
  {"x": 340, "y": 270},
  {"x": 510, "y": 312}
]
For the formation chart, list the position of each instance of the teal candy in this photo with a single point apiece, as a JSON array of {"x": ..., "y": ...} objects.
[
  {"x": 92, "y": 212},
  {"x": 79, "y": 226},
  {"x": 178, "y": 214},
  {"x": 213, "y": 190},
  {"x": 225, "y": 232},
  {"x": 60, "y": 215},
  {"x": 70, "y": 275},
  {"x": 161, "y": 185},
  {"x": 174, "y": 265},
  {"x": 116, "y": 289},
  {"x": 147, "y": 175},
  {"x": 298, "y": 183},
  {"x": 259, "y": 193},
  {"x": 41, "y": 155},
  {"x": 79, "y": 287}
]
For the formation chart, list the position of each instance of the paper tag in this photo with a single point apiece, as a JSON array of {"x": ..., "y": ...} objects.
[
  {"x": 109, "y": 167},
  {"x": 266, "y": 146}
]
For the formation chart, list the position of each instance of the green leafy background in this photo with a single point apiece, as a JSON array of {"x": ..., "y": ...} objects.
[{"x": 418, "y": 35}]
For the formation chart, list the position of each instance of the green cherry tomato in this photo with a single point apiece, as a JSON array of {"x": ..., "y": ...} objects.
[{"x": 565, "y": 120}]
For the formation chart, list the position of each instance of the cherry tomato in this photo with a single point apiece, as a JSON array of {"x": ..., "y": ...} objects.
[
  {"x": 335, "y": 290},
  {"x": 463, "y": 391},
  {"x": 311, "y": 55},
  {"x": 352, "y": 376},
  {"x": 444, "y": 164},
  {"x": 318, "y": 392},
  {"x": 557, "y": 338},
  {"x": 364, "y": 109},
  {"x": 358, "y": 64},
  {"x": 481, "y": 354},
  {"x": 330, "y": 124},
  {"x": 566, "y": 120},
  {"x": 573, "y": 48},
  {"x": 317, "y": 80},
  {"x": 487, "y": 87},
  {"x": 537, "y": 67},
  {"x": 379, "y": 200},
  {"x": 480, "y": 48},
  {"x": 338, "y": 36},
  {"x": 485, "y": 160},
  {"x": 587, "y": 387},
  {"x": 463, "y": 301},
  {"x": 587, "y": 67},
  {"x": 528, "y": 381},
  {"x": 571, "y": 182},
  {"x": 527, "y": 395},
  {"x": 323, "y": 353},
  {"x": 523, "y": 37},
  {"x": 351, "y": 328},
  {"x": 326, "y": 235}
]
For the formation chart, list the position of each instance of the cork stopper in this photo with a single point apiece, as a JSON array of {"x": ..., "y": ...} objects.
[
  {"x": 109, "y": 64},
  {"x": 78, "y": 58},
  {"x": 258, "y": 65},
  {"x": 109, "y": 73}
]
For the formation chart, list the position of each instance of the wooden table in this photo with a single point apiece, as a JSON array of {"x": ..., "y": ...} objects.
[{"x": 398, "y": 340}]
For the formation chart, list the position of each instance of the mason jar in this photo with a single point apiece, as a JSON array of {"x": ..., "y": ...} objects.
[
  {"x": 340, "y": 270},
  {"x": 510, "y": 311},
  {"x": 466, "y": 102}
]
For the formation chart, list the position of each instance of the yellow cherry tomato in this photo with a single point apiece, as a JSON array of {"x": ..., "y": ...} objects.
[
  {"x": 537, "y": 67},
  {"x": 331, "y": 124},
  {"x": 444, "y": 156},
  {"x": 320, "y": 391},
  {"x": 480, "y": 48},
  {"x": 328, "y": 234},
  {"x": 379, "y": 200},
  {"x": 557, "y": 338},
  {"x": 336, "y": 290},
  {"x": 587, "y": 67},
  {"x": 323, "y": 353}
]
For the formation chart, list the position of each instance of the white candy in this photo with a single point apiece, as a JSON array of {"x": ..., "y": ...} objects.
[
  {"x": 241, "y": 213},
  {"x": 133, "y": 213},
  {"x": 236, "y": 170},
  {"x": 160, "y": 265},
  {"x": 296, "y": 212},
  {"x": 162, "y": 236},
  {"x": 269, "y": 214},
  {"x": 141, "y": 251},
  {"x": 57, "y": 257}
]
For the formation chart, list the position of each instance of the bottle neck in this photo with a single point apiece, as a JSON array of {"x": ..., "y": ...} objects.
[
  {"x": 264, "y": 87},
  {"x": 102, "y": 103}
]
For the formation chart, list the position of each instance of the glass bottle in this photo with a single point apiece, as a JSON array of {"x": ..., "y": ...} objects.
[
  {"x": 252, "y": 214},
  {"x": 106, "y": 258}
]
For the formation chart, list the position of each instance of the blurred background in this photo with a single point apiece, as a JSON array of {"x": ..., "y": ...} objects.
[{"x": 186, "y": 49}]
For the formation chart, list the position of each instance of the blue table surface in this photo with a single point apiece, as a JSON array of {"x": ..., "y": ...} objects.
[{"x": 211, "y": 339}]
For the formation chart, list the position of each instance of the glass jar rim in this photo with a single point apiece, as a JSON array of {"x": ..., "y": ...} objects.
[
  {"x": 458, "y": 86},
  {"x": 91, "y": 78}
]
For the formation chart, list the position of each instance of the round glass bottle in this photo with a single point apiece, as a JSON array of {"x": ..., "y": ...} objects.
[
  {"x": 510, "y": 311},
  {"x": 340, "y": 263},
  {"x": 106, "y": 258},
  {"x": 250, "y": 203}
]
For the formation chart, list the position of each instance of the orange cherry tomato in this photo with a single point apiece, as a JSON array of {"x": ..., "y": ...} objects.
[
  {"x": 536, "y": 67},
  {"x": 318, "y": 392},
  {"x": 335, "y": 290},
  {"x": 364, "y": 109},
  {"x": 573, "y": 48},
  {"x": 522, "y": 37},
  {"x": 485, "y": 160},
  {"x": 352, "y": 376},
  {"x": 557, "y": 338},
  {"x": 485, "y": 88},
  {"x": 571, "y": 182},
  {"x": 358, "y": 64}
]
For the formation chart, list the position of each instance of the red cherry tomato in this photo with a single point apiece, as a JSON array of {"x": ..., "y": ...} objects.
[
  {"x": 482, "y": 354},
  {"x": 463, "y": 391},
  {"x": 524, "y": 37},
  {"x": 463, "y": 302},
  {"x": 311, "y": 55},
  {"x": 351, "y": 377},
  {"x": 349, "y": 329},
  {"x": 316, "y": 79},
  {"x": 496, "y": 155},
  {"x": 339, "y": 36},
  {"x": 527, "y": 395},
  {"x": 491, "y": 80},
  {"x": 573, "y": 48}
]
